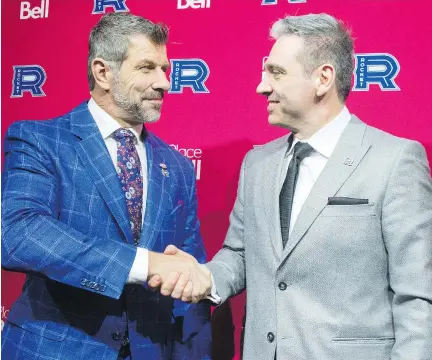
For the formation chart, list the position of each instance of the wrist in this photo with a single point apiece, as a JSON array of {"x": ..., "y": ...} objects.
[{"x": 153, "y": 262}]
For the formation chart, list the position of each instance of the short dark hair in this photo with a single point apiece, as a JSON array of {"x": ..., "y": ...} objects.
[
  {"x": 109, "y": 38},
  {"x": 326, "y": 39}
]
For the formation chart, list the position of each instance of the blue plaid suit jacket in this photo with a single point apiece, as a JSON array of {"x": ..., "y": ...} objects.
[{"x": 65, "y": 224}]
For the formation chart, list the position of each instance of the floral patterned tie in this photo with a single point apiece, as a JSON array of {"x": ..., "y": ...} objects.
[{"x": 129, "y": 172}]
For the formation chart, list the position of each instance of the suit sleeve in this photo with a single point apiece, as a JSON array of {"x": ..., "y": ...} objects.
[
  {"x": 407, "y": 231},
  {"x": 228, "y": 265},
  {"x": 35, "y": 241},
  {"x": 192, "y": 321}
]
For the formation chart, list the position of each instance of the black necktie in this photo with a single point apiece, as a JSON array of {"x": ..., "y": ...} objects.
[{"x": 301, "y": 150}]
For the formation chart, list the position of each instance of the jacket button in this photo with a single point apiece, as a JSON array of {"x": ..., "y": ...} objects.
[
  {"x": 116, "y": 335},
  {"x": 282, "y": 286},
  {"x": 270, "y": 337},
  {"x": 125, "y": 341}
]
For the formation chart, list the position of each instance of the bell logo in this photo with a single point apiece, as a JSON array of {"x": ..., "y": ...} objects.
[
  {"x": 194, "y": 4},
  {"x": 37, "y": 12}
]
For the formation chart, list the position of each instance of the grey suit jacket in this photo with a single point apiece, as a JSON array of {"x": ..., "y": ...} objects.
[{"x": 354, "y": 281}]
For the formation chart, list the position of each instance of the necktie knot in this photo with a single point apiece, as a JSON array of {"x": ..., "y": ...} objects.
[
  {"x": 302, "y": 150},
  {"x": 121, "y": 133}
]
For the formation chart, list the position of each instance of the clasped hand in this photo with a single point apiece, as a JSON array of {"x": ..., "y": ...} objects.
[{"x": 178, "y": 274}]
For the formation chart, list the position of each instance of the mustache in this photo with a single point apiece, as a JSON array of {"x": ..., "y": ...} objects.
[{"x": 154, "y": 96}]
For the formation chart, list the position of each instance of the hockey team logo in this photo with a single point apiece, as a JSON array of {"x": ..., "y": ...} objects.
[
  {"x": 28, "y": 78},
  {"x": 35, "y": 12},
  {"x": 380, "y": 69},
  {"x": 194, "y": 155},
  {"x": 274, "y": 2},
  {"x": 116, "y": 5},
  {"x": 194, "y": 4},
  {"x": 191, "y": 73}
]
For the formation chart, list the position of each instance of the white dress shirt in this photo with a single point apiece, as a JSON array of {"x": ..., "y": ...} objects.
[
  {"x": 323, "y": 143},
  {"x": 107, "y": 126}
]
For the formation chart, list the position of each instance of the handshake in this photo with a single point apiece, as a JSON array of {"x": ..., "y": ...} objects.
[{"x": 178, "y": 275}]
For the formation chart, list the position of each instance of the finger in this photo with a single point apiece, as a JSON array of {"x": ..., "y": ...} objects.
[
  {"x": 180, "y": 286},
  {"x": 171, "y": 250},
  {"x": 154, "y": 283},
  {"x": 200, "y": 294},
  {"x": 206, "y": 280},
  {"x": 196, "y": 289},
  {"x": 187, "y": 292},
  {"x": 181, "y": 253},
  {"x": 169, "y": 284},
  {"x": 203, "y": 281}
]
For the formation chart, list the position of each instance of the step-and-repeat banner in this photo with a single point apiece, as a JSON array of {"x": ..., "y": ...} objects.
[{"x": 212, "y": 114}]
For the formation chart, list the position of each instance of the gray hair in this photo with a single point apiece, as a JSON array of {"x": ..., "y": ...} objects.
[
  {"x": 326, "y": 40},
  {"x": 109, "y": 38}
]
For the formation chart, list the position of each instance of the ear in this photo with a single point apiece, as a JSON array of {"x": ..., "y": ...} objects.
[
  {"x": 102, "y": 73},
  {"x": 325, "y": 79}
]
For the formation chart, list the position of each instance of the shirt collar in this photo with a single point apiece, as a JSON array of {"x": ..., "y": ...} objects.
[
  {"x": 106, "y": 123},
  {"x": 325, "y": 139}
]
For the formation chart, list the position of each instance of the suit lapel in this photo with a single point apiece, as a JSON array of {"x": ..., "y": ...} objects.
[
  {"x": 271, "y": 173},
  {"x": 94, "y": 155},
  {"x": 348, "y": 153},
  {"x": 156, "y": 188}
]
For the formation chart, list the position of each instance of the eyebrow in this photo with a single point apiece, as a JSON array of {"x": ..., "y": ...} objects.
[
  {"x": 151, "y": 63},
  {"x": 272, "y": 67}
]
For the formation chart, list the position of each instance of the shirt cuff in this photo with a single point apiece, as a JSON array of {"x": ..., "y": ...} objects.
[
  {"x": 213, "y": 296},
  {"x": 139, "y": 270}
]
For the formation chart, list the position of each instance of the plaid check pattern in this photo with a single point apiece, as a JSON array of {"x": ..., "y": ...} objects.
[{"x": 65, "y": 224}]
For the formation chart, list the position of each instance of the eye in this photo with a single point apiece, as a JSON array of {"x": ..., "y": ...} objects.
[
  {"x": 275, "y": 72},
  {"x": 146, "y": 68}
]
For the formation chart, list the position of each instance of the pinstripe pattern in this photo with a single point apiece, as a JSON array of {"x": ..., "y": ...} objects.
[{"x": 64, "y": 224}]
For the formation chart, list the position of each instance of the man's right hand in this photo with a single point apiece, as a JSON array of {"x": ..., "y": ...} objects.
[{"x": 178, "y": 274}]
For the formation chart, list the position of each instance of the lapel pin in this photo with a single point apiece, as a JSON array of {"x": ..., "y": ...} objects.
[
  {"x": 164, "y": 169},
  {"x": 348, "y": 161}
]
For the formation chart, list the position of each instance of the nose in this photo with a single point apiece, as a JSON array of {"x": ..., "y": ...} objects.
[
  {"x": 161, "y": 82},
  {"x": 264, "y": 87}
]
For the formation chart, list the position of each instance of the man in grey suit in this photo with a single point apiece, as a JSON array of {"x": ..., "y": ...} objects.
[{"x": 331, "y": 231}]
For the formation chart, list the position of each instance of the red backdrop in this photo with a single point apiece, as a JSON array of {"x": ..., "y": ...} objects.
[{"x": 226, "y": 41}]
